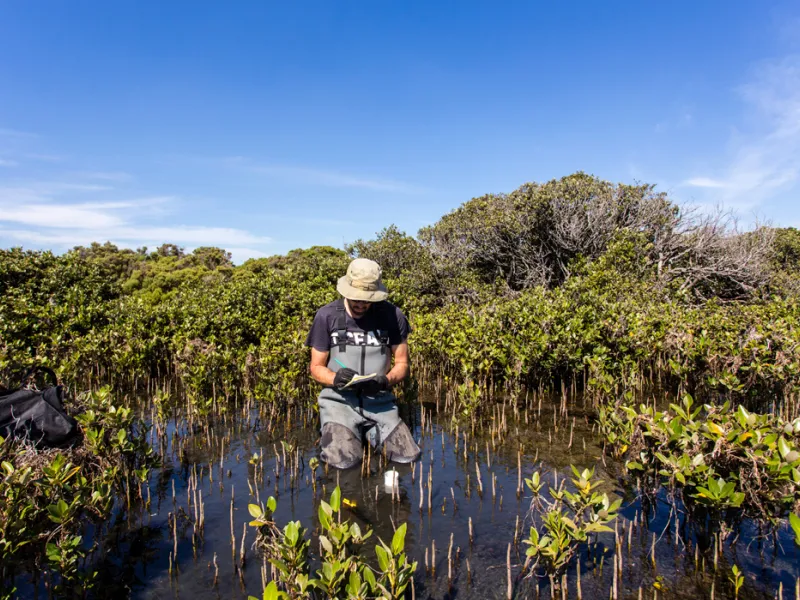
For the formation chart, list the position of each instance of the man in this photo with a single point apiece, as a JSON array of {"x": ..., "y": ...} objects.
[{"x": 360, "y": 334}]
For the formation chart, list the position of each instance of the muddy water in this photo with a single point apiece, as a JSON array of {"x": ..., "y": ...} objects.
[{"x": 210, "y": 459}]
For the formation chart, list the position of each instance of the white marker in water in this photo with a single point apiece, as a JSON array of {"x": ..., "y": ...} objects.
[{"x": 390, "y": 479}]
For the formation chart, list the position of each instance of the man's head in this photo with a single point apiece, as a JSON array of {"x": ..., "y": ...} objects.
[{"x": 362, "y": 286}]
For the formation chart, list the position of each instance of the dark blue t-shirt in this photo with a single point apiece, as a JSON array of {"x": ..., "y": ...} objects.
[{"x": 382, "y": 320}]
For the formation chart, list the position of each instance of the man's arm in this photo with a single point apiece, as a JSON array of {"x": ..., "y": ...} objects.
[
  {"x": 319, "y": 367},
  {"x": 400, "y": 369}
]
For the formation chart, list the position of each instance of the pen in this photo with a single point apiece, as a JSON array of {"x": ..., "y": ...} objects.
[{"x": 340, "y": 363}]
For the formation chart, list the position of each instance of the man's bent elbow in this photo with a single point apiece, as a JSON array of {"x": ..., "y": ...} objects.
[{"x": 312, "y": 369}]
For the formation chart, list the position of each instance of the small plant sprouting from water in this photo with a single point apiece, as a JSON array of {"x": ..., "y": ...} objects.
[
  {"x": 396, "y": 571},
  {"x": 271, "y": 592},
  {"x": 469, "y": 397},
  {"x": 535, "y": 484},
  {"x": 737, "y": 579},
  {"x": 344, "y": 573},
  {"x": 260, "y": 516},
  {"x": 719, "y": 494},
  {"x": 286, "y": 550},
  {"x": 289, "y": 554},
  {"x": 718, "y": 456},
  {"x": 340, "y": 542},
  {"x": 568, "y": 520}
]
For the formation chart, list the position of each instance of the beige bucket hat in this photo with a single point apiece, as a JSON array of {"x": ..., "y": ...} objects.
[{"x": 363, "y": 282}]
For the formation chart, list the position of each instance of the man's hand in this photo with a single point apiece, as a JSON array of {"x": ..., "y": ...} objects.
[
  {"x": 374, "y": 386},
  {"x": 343, "y": 377}
]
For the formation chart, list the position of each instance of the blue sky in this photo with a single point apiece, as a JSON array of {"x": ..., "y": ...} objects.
[{"x": 262, "y": 127}]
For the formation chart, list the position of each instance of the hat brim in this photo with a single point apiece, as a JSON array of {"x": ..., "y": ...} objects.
[{"x": 353, "y": 293}]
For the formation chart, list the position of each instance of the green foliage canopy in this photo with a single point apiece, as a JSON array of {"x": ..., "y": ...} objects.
[{"x": 576, "y": 277}]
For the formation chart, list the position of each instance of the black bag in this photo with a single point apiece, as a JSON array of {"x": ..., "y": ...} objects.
[{"x": 37, "y": 415}]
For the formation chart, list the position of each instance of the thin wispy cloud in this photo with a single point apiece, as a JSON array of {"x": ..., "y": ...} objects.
[
  {"x": 706, "y": 182},
  {"x": 763, "y": 163},
  {"x": 680, "y": 122},
  {"x": 6, "y": 132},
  {"x": 59, "y": 209},
  {"x": 65, "y": 216},
  {"x": 57, "y": 187},
  {"x": 53, "y": 158},
  {"x": 44, "y": 189},
  {"x": 115, "y": 176},
  {"x": 189, "y": 237},
  {"x": 320, "y": 176},
  {"x": 126, "y": 235},
  {"x": 44, "y": 214},
  {"x": 312, "y": 221},
  {"x": 789, "y": 31},
  {"x": 42, "y": 205},
  {"x": 333, "y": 178},
  {"x": 44, "y": 192}
]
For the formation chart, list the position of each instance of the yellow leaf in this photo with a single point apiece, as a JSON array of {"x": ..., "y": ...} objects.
[{"x": 349, "y": 503}]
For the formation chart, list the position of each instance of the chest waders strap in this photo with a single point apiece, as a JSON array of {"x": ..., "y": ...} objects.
[
  {"x": 341, "y": 325},
  {"x": 341, "y": 331},
  {"x": 384, "y": 340}
]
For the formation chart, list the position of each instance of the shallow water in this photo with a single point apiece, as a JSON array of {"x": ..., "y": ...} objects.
[{"x": 134, "y": 548}]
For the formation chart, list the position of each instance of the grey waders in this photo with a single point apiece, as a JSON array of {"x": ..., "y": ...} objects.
[{"x": 349, "y": 417}]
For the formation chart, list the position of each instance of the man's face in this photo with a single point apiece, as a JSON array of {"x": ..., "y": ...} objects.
[{"x": 358, "y": 308}]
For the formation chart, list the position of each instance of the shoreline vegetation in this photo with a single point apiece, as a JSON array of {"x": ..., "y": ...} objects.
[
  {"x": 574, "y": 287},
  {"x": 611, "y": 286}
]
